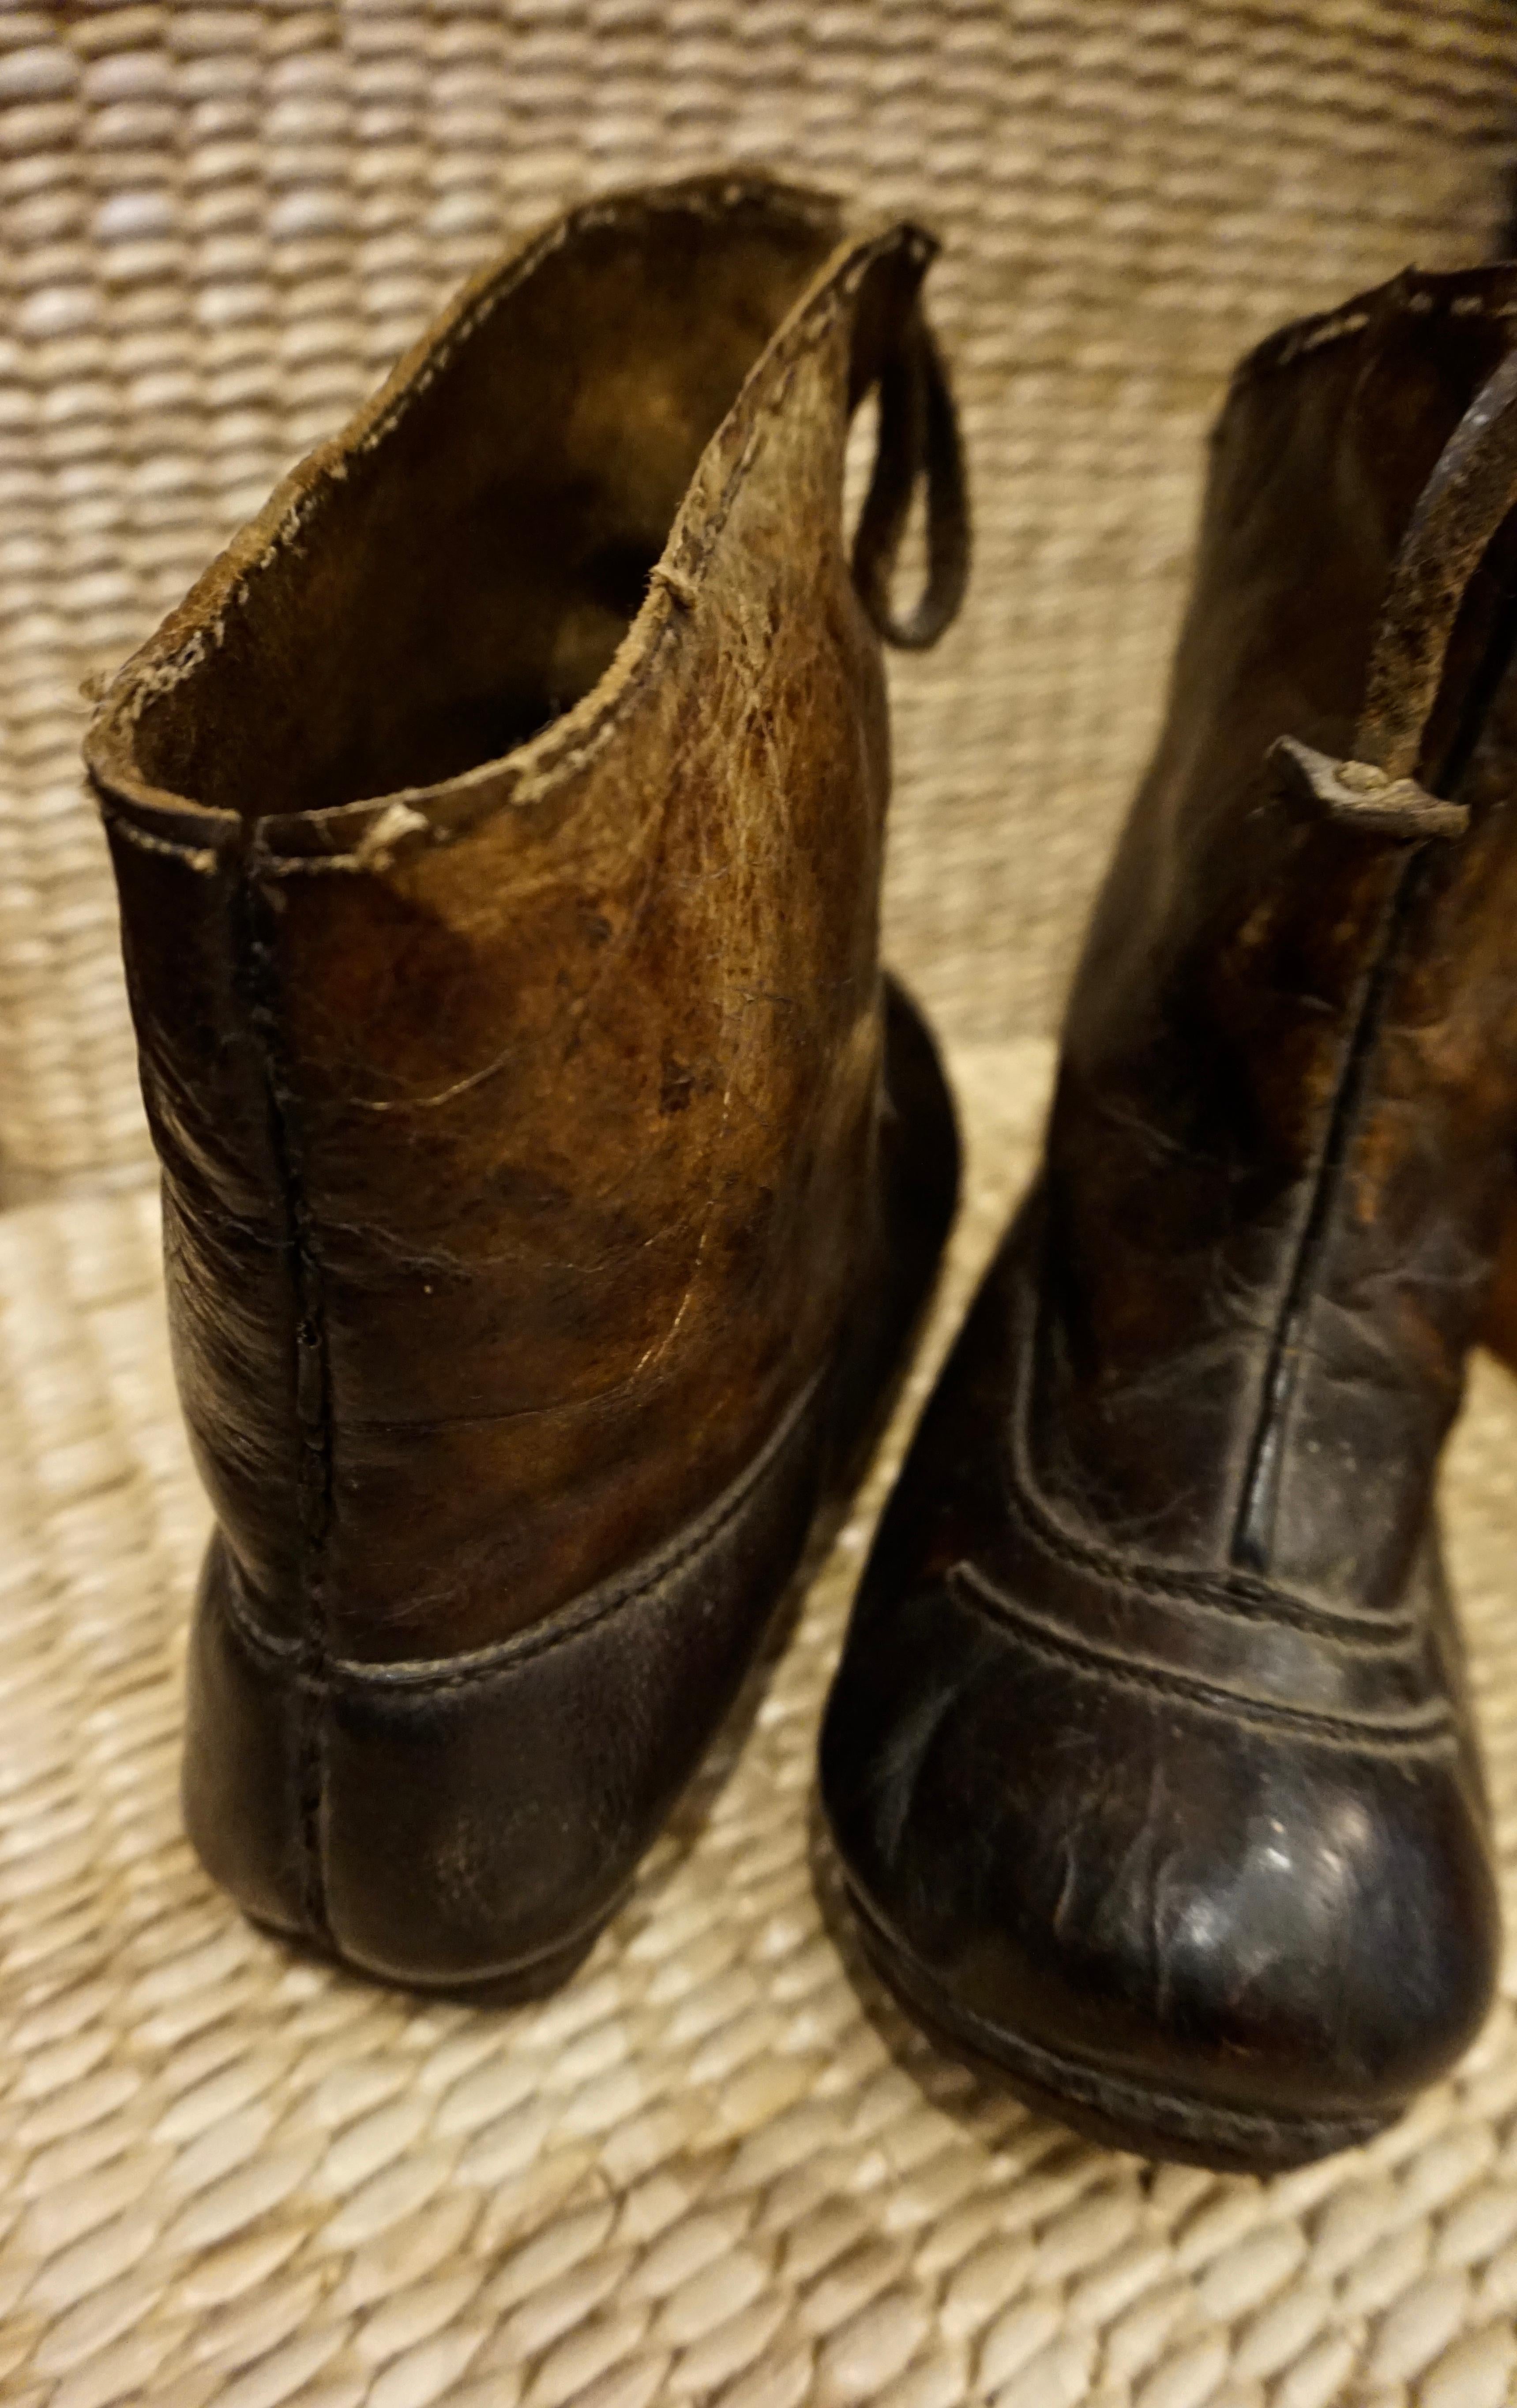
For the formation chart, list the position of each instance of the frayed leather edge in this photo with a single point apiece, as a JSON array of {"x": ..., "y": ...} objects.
[
  {"x": 536, "y": 769},
  {"x": 204, "y": 859},
  {"x": 526, "y": 775},
  {"x": 1486, "y": 291},
  {"x": 310, "y": 1382},
  {"x": 419, "y": 367}
]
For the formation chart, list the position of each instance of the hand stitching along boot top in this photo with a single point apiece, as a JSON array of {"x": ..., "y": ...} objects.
[
  {"x": 1157, "y": 1614},
  {"x": 549, "y": 1183}
]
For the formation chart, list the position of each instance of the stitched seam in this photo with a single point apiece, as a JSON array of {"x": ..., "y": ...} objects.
[
  {"x": 814, "y": 321},
  {"x": 1254, "y": 1524},
  {"x": 1124, "y": 1672},
  {"x": 1150, "y": 1580},
  {"x": 1254, "y": 1527},
  {"x": 499, "y": 288},
  {"x": 563, "y": 755},
  {"x": 1258, "y": 1600},
  {"x": 791, "y": 345},
  {"x": 498, "y": 1663},
  {"x": 792, "y": 342},
  {"x": 687, "y": 202},
  {"x": 1064, "y": 2076},
  {"x": 1170, "y": 2109},
  {"x": 311, "y": 1375},
  {"x": 1309, "y": 336},
  {"x": 204, "y": 858},
  {"x": 579, "y": 749}
]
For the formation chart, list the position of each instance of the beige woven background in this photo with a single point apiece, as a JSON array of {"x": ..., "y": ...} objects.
[
  {"x": 219, "y": 223},
  {"x": 719, "y": 2170}
]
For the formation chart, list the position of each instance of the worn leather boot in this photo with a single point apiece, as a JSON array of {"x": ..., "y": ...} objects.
[
  {"x": 1148, "y": 1761},
  {"x": 549, "y": 1183}
]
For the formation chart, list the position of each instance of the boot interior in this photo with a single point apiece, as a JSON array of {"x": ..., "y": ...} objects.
[{"x": 468, "y": 578}]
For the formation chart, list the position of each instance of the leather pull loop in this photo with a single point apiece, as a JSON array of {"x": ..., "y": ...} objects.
[
  {"x": 918, "y": 441},
  {"x": 1459, "y": 512},
  {"x": 1356, "y": 794}
]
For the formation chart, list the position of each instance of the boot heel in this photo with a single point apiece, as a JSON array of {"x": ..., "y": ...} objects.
[
  {"x": 408, "y": 1818},
  {"x": 241, "y": 1783},
  {"x": 273, "y": 1761}
]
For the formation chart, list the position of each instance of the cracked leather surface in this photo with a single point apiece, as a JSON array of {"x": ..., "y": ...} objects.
[
  {"x": 498, "y": 830},
  {"x": 577, "y": 1083},
  {"x": 1148, "y": 1751}
]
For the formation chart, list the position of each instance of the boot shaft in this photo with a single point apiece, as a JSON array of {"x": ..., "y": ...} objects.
[
  {"x": 498, "y": 830},
  {"x": 1280, "y": 1150}
]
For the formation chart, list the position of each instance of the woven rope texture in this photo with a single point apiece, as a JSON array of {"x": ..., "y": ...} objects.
[
  {"x": 718, "y": 2168},
  {"x": 219, "y": 223}
]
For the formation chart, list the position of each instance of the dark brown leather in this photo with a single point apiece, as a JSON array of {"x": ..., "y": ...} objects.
[
  {"x": 1148, "y": 1759},
  {"x": 498, "y": 830}
]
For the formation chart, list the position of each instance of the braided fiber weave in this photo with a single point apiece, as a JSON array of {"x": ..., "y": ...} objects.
[
  {"x": 718, "y": 2168},
  {"x": 219, "y": 223}
]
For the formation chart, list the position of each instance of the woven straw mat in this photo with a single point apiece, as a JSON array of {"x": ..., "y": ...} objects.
[
  {"x": 718, "y": 2167},
  {"x": 219, "y": 224}
]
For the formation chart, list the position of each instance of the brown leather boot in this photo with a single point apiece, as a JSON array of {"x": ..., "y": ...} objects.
[
  {"x": 550, "y": 1184},
  {"x": 1150, "y": 1761}
]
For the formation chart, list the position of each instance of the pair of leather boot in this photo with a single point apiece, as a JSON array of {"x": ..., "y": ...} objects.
[{"x": 553, "y": 1184}]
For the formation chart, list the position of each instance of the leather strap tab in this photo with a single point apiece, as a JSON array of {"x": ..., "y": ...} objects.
[
  {"x": 1459, "y": 512},
  {"x": 1356, "y": 794},
  {"x": 918, "y": 442}
]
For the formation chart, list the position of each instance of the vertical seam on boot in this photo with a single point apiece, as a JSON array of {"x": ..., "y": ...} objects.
[
  {"x": 1253, "y": 1526},
  {"x": 312, "y": 1389}
]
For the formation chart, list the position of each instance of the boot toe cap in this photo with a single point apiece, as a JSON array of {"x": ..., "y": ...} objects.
[{"x": 1127, "y": 1894}]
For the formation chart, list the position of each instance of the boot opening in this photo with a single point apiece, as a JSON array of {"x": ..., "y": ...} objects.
[{"x": 467, "y": 573}]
